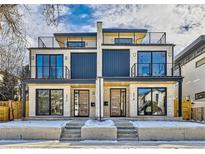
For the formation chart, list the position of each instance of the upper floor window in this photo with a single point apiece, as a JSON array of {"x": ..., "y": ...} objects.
[
  {"x": 76, "y": 44},
  {"x": 49, "y": 66},
  {"x": 123, "y": 40},
  {"x": 200, "y": 62},
  {"x": 151, "y": 63}
]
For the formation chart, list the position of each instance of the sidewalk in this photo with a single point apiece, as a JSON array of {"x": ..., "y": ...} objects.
[{"x": 101, "y": 144}]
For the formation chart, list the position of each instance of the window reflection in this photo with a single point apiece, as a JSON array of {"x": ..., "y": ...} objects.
[
  {"x": 49, "y": 66},
  {"x": 151, "y": 63},
  {"x": 49, "y": 102},
  {"x": 151, "y": 101}
]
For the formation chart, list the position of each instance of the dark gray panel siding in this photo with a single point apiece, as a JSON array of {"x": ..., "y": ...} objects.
[
  {"x": 116, "y": 63},
  {"x": 83, "y": 65}
]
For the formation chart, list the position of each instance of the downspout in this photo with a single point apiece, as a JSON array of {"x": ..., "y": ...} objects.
[{"x": 23, "y": 99}]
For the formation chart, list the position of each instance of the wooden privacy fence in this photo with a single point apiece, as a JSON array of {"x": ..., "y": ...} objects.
[
  {"x": 198, "y": 113},
  {"x": 10, "y": 110}
]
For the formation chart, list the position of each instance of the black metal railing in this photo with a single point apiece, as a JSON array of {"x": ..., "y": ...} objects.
[
  {"x": 52, "y": 42},
  {"x": 49, "y": 72},
  {"x": 148, "y": 38},
  {"x": 155, "y": 70}
]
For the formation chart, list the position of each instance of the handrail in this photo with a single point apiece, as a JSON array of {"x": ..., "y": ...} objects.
[
  {"x": 165, "y": 69},
  {"x": 49, "y": 72}
]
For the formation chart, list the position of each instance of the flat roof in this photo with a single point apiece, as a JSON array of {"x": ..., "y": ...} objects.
[
  {"x": 122, "y": 30},
  {"x": 92, "y": 34},
  {"x": 189, "y": 49}
]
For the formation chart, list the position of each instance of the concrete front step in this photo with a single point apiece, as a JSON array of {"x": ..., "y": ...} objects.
[
  {"x": 127, "y": 130},
  {"x": 71, "y": 136},
  {"x": 70, "y": 139},
  {"x": 73, "y": 131},
  {"x": 127, "y": 139},
  {"x": 72, "y": 127},
  {"x": 127, "y": 135}
]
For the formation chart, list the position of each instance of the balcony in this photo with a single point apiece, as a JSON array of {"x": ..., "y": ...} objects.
[
  {"x": 49, "y": 72},
  {"x": 133, "y": 38},
  {"x": 155, "y": 70}
]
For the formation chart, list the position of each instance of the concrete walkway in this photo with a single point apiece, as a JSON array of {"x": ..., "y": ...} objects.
[{"x": 101, "y": 144}]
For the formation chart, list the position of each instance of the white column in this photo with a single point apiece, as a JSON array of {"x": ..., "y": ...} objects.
[
  {"x": 99, "y": 49},
  {"x": 99, "y": 97}
]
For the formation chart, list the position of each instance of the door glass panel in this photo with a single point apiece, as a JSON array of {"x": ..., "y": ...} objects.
[
  {"x": 53, "y": 67},
  {"x": 59, "y": 65},
  {"x": 39, "y": 63},
  {"x": 144, "y": 101},
  {"x": 158, "y": 63},
  {"x": 45, "y": 66},
  {"x": 144, "y": 63},
  {"x": 56, "y": 102},
  {"x": 158, "y": 101},
  {"x": 43, "y": 102}
]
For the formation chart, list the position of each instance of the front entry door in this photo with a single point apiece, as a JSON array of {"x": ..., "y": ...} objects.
[
  {"x": 81, "y": 103},
  {"x": 118, "y": 102}
]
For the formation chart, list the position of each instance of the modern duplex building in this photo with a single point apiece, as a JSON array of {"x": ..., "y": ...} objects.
[
  {"x": 108, "y": 73},
  {"x": 192, "y": 60}
]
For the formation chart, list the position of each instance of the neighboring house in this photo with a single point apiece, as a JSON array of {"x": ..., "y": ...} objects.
[
  {"x": 102, "y": 74},
  {"x": 192, "y": 61}
]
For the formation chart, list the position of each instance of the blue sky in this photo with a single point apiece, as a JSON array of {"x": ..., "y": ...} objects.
[
  {"x": 80, "y": 15},
  {"x": 182, "y": 23}
]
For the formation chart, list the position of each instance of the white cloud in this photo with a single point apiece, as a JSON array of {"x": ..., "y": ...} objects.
[{"x": 172, "y": 19}]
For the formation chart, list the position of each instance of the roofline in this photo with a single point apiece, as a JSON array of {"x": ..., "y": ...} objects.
[
  {"x": 92, "y": 34},
  {"x": 123, "y": 30},
  {"x": 194, "y": 45},
  {"x": 59, "y": 48}
]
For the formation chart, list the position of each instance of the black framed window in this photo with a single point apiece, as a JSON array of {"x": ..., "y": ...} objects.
[
  {"x": 152, "y": 63},
  {"x": 49, "y": 66},
  {"x": 200, "y": 95},
  {"x": 76, "y": 44},
  {"x": 152, "y": 101},
  {"x": 123, "y": 40},
  {"x": 49, "y": 102}
]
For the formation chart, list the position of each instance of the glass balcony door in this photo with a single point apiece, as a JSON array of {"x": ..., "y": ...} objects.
[
  {"x": 49, "y": 66},
  {"x": 151, "y": 63}
]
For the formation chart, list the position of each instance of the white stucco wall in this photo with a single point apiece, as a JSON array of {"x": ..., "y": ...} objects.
[{"x": 194, "y": 78}]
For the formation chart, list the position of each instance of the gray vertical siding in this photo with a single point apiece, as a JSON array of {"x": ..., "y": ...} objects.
[
  {"x": 83, "y": 65},
  {"x": 116, "y": 63}
]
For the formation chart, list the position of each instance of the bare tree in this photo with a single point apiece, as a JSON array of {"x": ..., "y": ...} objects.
[{"x": 13, "y": 43}]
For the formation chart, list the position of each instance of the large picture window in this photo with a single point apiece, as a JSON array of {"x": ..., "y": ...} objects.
[
  {"x": 49, "y": 102},
  {"x": 49, "y": 66},
  {"x": 151, "y": 63},
  {"x": 152, "y": 101}
]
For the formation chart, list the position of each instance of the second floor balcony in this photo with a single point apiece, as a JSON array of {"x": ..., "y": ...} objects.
[
  {"x": 155, "y": 70},
  {"x": 141, "y": 70},
  {"x": 49, "y": 72}
]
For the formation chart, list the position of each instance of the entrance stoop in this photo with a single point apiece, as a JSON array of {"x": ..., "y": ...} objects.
[
  {"x": 126, "y": 131},
  {"x": 72, "y": 131}
]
